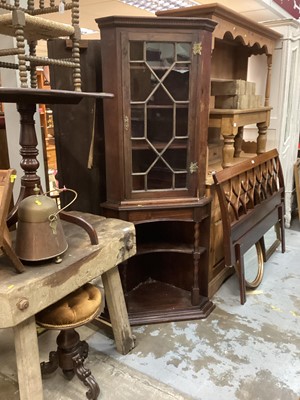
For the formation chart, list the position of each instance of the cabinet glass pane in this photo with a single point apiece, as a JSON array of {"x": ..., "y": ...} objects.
[
  {"x": 159, "y": 83},
  {"x": 159, "y": 125},
  {"x": 177, "y": 83},
  {"x": 160, "y": 95},
  {"x": 181, "y": 122},
  {"x": 160, "y": 54},
  {"x": 159, "y": 175},
  {"x": 142, "y": 161},
  {"x": 136, "y": 51},
  {"x": 141, "y": 82},
  {"x": 137, "y": 122}
]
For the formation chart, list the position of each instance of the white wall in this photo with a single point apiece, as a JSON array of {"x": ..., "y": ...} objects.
[
  {"x": 285, "y": 96},
  {"x": 257, "y": 72}
]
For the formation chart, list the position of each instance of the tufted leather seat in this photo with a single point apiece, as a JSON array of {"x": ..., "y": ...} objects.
[{"x": 72, "y": 311}]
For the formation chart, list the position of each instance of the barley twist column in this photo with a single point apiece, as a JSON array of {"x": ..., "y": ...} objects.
[
  {"x": 196, "y": 255},
  {"x": 21, "y": 56},
  {"x": 75, "y": 47}
]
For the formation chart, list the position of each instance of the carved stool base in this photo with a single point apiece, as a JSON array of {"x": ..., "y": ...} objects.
[{"x": 69, "y": 356}]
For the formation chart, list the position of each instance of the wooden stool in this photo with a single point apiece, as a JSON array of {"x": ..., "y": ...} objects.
[{"x": 72, "y": 311}]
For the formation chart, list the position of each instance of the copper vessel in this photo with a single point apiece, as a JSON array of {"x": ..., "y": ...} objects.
[{"x": 40, "y": 234}]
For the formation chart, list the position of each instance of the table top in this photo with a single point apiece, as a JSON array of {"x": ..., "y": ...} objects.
[
  {"x": 45, "y": 283},
  {"x": 234, "y": 111},
  {"x": 29, "y": 95}
]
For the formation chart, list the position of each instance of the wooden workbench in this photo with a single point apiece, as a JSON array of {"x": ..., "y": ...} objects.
[{"x": 23, "y": 295}]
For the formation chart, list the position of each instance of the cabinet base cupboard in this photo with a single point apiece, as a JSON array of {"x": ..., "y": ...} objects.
[{"x": 155, "y": 150}]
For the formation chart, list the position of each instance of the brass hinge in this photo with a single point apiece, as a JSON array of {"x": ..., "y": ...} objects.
[
  {"x": 126, "y": 123},
  {"x": 197, "y": 48},
  {"x": 193, "y": 167}
]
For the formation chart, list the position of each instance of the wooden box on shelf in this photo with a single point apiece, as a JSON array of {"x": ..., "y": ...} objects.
[{"x": 155, "y": 148}]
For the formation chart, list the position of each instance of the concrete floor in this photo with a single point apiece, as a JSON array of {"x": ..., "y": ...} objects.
[{"x": 249, "y": 352}]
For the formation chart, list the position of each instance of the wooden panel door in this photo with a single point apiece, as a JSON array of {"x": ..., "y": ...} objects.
[{"x": 79, "y": 137}]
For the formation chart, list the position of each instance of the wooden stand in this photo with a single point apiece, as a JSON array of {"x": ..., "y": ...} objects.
[
  {"x": 26, "y": 100},
  {"x": 235, "y": 39}
]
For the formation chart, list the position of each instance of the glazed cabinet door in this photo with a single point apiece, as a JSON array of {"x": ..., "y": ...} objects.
[
  {"x": 156, "y": 126},
  {"x": 160, "y": 152}
]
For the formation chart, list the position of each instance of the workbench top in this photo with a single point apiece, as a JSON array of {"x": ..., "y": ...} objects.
[{"x": 23, "y": 295}]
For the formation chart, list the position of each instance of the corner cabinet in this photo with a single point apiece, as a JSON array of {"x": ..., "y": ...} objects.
[{"x": 155, "y": 149}]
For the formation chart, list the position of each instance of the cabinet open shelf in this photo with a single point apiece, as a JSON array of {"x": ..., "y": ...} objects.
[
  {"x": 165, "y": 247},
  {"x": 154, "y": 301},
  {"x": 136, "y": 145}
]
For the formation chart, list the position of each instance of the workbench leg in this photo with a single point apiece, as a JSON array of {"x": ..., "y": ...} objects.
[
  {"x": 28, "y": 361},
  {"x": 117, "y": 310}
]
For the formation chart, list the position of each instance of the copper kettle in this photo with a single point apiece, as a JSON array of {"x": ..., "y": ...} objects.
[{"x": 40, "y": 234}]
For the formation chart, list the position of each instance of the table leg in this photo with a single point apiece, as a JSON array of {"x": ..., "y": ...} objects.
[
  {"x": 262, "y": 137},
  {"x": 238, "y": 141},
  {"x": 117, "y": 310},
  {"x": 228, "y": 150},
  {"x": 28, "y": 361},
  {"x": 29, "y": 153}
]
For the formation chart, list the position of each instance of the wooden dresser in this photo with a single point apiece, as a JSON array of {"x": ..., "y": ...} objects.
[{"x": 235, "y": 39}]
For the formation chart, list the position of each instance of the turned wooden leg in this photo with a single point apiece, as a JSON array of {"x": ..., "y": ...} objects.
[
  {"x": 241, "y": 274},
  {"x": 195, "y": 289},
  {"x": 238, "y": 142},
  {"x": 68, "y": 345},
  {"x": 228, "y": 151},
  {"x": 20, "y": 39},
  {"x": 262, "y": 137},
  {"x": 33, "y": 75},
  {"x": 29, "y": 152},
  {"x": 282, "y": 230}
]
